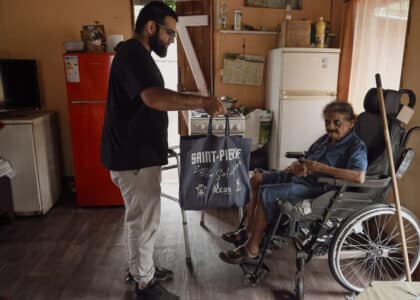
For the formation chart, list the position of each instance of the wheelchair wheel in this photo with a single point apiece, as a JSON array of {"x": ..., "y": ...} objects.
[{"x": 367, "y": 247}]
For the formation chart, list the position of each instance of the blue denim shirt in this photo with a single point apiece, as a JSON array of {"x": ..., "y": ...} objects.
[{"x": 348, "y": 153}]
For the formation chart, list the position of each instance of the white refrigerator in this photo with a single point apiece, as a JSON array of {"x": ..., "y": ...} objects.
[{"x": 299, "y": 83}]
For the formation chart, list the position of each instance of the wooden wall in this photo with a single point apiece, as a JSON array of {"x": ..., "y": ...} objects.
[{"x": 269, "y": 19}]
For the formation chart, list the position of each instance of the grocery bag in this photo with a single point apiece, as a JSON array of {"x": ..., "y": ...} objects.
[{"x": 214, "y": 170}]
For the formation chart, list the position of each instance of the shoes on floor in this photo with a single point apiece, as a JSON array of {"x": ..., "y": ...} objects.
[
  {"x": 161, "y": 274},
  {"x": 237, "y": 237},
  {"x": 237, "y": 256},
  {"x": 154, "y": 291}
]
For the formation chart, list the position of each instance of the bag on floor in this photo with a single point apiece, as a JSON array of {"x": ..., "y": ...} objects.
[{"x": 214, "y": 171}]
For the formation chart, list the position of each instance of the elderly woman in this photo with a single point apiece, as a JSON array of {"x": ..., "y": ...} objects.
[{"x": 340, "y": 153}]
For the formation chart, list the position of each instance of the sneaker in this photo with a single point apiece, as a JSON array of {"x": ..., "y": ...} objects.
[
  {"x": 161, "y": 274},
  {"x": 154, "y": 291}
]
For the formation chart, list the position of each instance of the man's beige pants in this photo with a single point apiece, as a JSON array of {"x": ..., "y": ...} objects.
[{"x": 141, "y": 193}]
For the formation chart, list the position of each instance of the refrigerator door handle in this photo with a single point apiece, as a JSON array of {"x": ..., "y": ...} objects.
[
  {"x": 293, "y": 93},
  {"x": 88, "y": 101}
]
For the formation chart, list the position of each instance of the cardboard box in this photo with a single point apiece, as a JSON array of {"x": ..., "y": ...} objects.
[{"x": 295, "y": 33}]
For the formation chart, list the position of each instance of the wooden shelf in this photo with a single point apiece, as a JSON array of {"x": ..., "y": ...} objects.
[{"x": 249, "y": 32}]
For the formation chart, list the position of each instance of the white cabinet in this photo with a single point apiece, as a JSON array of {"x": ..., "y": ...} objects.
[{"x": 29, "y": 142}]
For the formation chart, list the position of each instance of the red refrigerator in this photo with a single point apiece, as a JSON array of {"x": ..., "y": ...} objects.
[{"x": 87, "y": 77}]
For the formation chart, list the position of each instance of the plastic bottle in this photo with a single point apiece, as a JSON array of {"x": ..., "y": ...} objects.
[
  {"x": 237, "y": 25},
  {"x": 320, "y": 33},
  {"x": 288, "y": 12}
]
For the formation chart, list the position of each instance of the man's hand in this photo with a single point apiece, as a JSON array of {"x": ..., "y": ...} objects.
[
  {"x": 298, "y": 169},
  {"x": 214, "y": 106}
]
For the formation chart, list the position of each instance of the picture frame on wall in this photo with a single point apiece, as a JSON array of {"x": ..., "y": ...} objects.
[{"x": 294, "y": 4}]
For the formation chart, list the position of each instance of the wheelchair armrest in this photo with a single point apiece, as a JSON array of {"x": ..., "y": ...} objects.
[
  {"x": 370, "y": 182},
  {"x": 295, "y": 154}
]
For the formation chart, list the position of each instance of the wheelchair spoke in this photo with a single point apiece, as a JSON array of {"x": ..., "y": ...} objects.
[
  {"x": 397, "y": 261},
  {"x": 377, "y": 240},
  {"x": 361, "y": 247},
  {"x": 352, "y": 262},
  {"x": 398, "y": 247},
  {"x": 399, "y": 266},
  {"x": 355, "y": 270},
  {"x": 371, "y": 274},
  {"x": 383, "y": 261},
  {"x": 362, "y": 236},
  {"x": 391, "y": 267},
  {"x": 388, "y": 218},
  {"x": 369, "y": 248},
  {"x": 395, "y": 233},
  {"x": 368, "y": 232}
]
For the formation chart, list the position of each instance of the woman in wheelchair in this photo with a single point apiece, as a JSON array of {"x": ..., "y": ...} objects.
[{"x": 339, "y": 153}]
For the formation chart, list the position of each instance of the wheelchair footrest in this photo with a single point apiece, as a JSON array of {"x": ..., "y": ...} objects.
[
  {"x": 254, "y": 275},
  {"x": 279, "y": 242}
]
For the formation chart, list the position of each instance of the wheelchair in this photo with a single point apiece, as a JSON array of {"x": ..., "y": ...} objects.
[{"x": 352, "y": 223}]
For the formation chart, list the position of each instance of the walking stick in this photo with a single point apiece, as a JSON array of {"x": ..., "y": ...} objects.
[{"x": 393, "y": 176}]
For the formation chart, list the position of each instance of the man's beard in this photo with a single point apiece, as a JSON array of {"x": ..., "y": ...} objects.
[{"x": 157, "y": 46}]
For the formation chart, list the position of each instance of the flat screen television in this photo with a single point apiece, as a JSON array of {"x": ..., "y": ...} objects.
[{"x": 19, "y": 87}]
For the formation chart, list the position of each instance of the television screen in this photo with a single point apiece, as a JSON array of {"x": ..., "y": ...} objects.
[{"x": 19, "y": 86}]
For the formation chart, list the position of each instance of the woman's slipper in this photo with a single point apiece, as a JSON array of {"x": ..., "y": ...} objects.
[
  {"x": 237, "y": 237},
  {"x": 237, "y": 256}
]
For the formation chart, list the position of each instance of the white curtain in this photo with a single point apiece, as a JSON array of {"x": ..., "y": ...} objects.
[{"x": 379, "y": 42}]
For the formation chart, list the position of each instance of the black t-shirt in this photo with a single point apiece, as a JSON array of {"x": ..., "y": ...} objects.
[{"x": 134, "y": 135}]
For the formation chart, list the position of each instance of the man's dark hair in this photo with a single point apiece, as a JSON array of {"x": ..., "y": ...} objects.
[
  {"x": 154, "y": 11},
  {"x": 341, "y": 107}
]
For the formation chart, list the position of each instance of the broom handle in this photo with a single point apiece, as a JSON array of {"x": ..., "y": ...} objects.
[{"x": 393, "y": 177}]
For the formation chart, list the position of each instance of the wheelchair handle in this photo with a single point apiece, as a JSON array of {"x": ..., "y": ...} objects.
[{"x": 411, "y": 96}]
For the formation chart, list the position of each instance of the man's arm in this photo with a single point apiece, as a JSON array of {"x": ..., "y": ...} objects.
[
  {"x": 344, "y": 174},
  {"x": 164, "y": 100}
]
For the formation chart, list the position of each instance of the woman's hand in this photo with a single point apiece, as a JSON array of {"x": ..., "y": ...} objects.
[
  {"x": 343, "y": 174},
  {"x": 298, "y": 169},
  {"x": 313, "y": 166},
  {"x": 256, "y": 180}
]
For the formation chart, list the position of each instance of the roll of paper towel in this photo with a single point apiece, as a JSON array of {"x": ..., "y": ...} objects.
[{"x": 112, "y": 41}]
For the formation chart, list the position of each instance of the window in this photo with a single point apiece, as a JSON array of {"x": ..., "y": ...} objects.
[{"x": 379, "y": 42}]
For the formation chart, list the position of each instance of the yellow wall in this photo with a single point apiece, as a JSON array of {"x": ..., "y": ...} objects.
[
  {"x": 37, "y": 29},
  {"x": 409, "y": 186}
]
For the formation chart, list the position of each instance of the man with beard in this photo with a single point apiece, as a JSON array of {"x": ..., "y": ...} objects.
[{"x": 134, "y": 140}]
